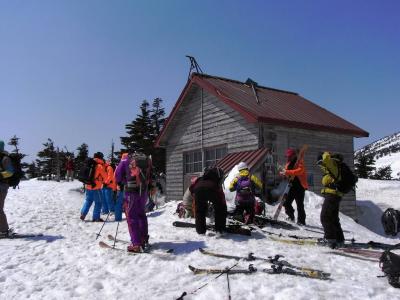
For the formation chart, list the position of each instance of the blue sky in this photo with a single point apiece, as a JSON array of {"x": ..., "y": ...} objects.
[{"x": 77, "y": 71}]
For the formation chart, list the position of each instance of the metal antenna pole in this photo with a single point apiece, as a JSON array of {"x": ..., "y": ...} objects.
[{"x": 193, "y": 66}]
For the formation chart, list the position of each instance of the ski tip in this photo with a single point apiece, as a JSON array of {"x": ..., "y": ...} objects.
[{"x": 191, "y": 268}]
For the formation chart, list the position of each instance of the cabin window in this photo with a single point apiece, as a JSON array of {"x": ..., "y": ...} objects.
[
  {"x": 192, "y": 161},
  {"x": 213, "y": 155}
]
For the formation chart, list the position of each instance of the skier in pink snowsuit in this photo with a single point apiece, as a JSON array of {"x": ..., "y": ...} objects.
[{"x": 134, "y": 183}]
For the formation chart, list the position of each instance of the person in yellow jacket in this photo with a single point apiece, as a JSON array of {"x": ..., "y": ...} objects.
[
  {"x": 245, "y": 185},
  {"x": 93, "y": 191},
  {"x": 330, "y": 221}
]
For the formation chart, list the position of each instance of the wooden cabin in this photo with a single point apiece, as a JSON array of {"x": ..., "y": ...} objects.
[{"x": 215, "y": 117}]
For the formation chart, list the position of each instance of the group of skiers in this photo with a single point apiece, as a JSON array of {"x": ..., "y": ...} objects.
[
  {"x": 131, "y": 181},
  {"x": 208, "y": 189}
]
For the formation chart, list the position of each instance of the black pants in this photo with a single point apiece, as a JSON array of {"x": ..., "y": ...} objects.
[
  {"x": 296, "y": 194},
  {"x": 330, "y": 218},
  {"x": 245, "y": 210},
  {"x": 202, "y": 196}
]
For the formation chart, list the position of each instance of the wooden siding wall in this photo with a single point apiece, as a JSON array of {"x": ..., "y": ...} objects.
[
  {"x": 318, "y": 142},
  {"x": 221, "y": 126}
]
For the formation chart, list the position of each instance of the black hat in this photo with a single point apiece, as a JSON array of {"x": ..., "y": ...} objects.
[{"x": 98, "y": 155}]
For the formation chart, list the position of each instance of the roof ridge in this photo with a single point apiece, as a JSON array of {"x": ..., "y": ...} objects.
[{"x": 240, "y": 82}]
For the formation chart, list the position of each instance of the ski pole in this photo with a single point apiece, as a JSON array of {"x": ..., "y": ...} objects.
[
  {"x": 219, "y": 275},
  {"x": 98, "y": 234},
  {"x": 229, "y": 287},
  {"x": 115, "y": 238}
]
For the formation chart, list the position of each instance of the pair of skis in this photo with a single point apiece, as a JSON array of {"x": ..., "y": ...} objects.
[
  {"x": 278, "y": 266},
  {"x": 322, "y": 242},
  {"x": 147, "y": 250},
  {"x": 233, "y": 228}
]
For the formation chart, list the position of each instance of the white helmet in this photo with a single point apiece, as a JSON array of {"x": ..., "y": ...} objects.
[{"x": 242, "y": 166}]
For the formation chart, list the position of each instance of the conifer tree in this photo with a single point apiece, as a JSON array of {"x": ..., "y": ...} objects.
[
  {"x": 47, "y": 158},
  {"x": 83, "y": 154},
  {"x": 364, "y": 166},
  {"x": 383, "y": 173},
  {"x": 158, "y": 119},
  {"x": 32, "y": 170},
  {"x": 140, "y": 132},
  {"x": 14, "y": 141}
]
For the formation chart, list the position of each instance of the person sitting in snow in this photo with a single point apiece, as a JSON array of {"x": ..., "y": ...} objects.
[
  {"x": 245, "y": 185},
  {"x": 330, "y": 221},
  {"x": 136, "y": 182},
  {"x": 296, "y": 170},
  {"x": 208, "y": 188}
]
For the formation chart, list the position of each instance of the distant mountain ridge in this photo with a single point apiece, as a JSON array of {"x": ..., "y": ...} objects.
[{"x": 386, "y": 151}]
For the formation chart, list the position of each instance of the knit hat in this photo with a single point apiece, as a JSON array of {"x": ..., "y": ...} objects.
[
  {"x": 98, "y": 155},
  {"x": 290, "y": 152},
  {"x": 1, "y": 146}
]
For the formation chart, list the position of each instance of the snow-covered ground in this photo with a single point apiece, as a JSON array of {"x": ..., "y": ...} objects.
[
  {"x": 392, "y": 160},
  {"x": 67, "y": 263},
  {"x": 373, "y": 198}
]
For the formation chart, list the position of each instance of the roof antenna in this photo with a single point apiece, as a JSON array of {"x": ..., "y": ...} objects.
[
  {"x": 253, "y": 85},
  {"x": 194, "y": 65}
]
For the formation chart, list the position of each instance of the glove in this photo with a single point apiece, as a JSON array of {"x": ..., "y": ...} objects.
[{"x": 121, "y": 186}]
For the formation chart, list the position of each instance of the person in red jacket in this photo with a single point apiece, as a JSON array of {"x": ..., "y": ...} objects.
[
  {"x": 69, "y": 166},
  {"x": 296, "y": 172}
]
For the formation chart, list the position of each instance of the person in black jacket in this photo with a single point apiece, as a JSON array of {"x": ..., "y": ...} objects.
[{"x": 207, "y": 188}]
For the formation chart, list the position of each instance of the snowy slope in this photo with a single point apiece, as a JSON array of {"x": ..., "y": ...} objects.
[
  {"x": 68, "y": 263},
  {"x": 386, "y": 151}
]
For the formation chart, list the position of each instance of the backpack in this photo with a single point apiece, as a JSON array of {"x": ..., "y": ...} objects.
[
  {"x": 144, "y": 179},
  {"x": 347, "y": 180},
  {"x": 244, "y": 185},
  {"x": 14, "y": 180},
  {"x": 87, "y": 172},
  {"x": 390, "y": 221},
  {"x": 390, "y": 265}
]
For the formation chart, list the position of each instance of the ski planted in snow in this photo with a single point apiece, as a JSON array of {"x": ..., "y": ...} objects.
[
  {"x": 280, "y": 269},
  {"x": 275, "y": 260},
  {"x": 198, "y": 271},
  {"x": 283, "y": 197},
  {"x": 235, "y": 229},
  {"x": 21, "y": 236}
]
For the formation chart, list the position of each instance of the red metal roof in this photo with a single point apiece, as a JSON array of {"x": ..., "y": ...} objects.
[
  {"x": 251, "y": 158},
  {"x": 274, "y": 107}
]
